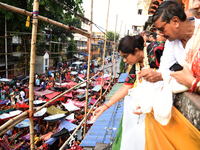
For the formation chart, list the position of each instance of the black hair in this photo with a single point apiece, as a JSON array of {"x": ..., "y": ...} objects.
[
  {"x": 129, "y": 43},
  {"x": 167, "y": 10}
]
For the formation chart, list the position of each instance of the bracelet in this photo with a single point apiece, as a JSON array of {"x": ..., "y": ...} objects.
[
  {"x": 106, "y": 105},
  {"x": 110, "y": 103},
  {"x": 194, "y": 85},
  {"x": 154, "y": 69},
  {"x": 197, "y": 88}
]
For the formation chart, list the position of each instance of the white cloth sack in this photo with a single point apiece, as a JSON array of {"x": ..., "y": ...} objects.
[
  {"x": 133, "y": 128},
  {"x": 177, "y": 87},
  {"x": 153, "y": 95},
  {"x": 163, "y": 101},
  {"x": 143, "y": 95}
]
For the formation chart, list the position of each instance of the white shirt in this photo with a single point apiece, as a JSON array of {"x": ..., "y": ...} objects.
[
  {"x": 174, "y": 52},
  {"x": 22, "y": 94},
  {"x": 52, "y": 74}
]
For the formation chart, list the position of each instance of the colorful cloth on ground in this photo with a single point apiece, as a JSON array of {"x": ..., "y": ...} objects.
[
  {"x": 53, "y": 110},
  {"x": 179, "y": 133},
  {"x": 52, "y": 95},
  {"x": 46, "y": 136},
  {"x": 7, "y": 110},
  {"x": 5, "y": 143},
  {"x": 45, "y": 92},
  {"x": 24, "y": 105},
  {"x": 77, "y": 103}
]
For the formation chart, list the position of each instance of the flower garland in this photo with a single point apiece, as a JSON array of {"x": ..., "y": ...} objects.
[{"x": 137, "y": 66}]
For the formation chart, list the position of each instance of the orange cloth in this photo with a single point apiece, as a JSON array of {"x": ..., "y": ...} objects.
[{"x": 178, "y": 134}]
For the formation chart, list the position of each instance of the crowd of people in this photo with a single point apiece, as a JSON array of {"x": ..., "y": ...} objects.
[{"x": 55, "y": 80}]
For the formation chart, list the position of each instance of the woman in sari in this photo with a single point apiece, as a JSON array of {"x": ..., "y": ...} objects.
[{"x": 131, "y": 50}]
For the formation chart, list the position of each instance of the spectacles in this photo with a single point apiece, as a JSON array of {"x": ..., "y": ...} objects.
[
  {"x": 161, "y": 29},
  {"x": 125, "y": 56}
]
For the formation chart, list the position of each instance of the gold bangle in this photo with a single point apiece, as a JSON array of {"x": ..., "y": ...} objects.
[
  {"x": 110, "y": 103},
  {"x": 154, "y": 69}
]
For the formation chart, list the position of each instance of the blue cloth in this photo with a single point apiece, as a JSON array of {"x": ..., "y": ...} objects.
[
  {"x": 37, "y": 82},
  {"x": 64, "y": 124},
  {"x": 67, "y": 125},
  {"x": 49, "y": 72},
  {"x": 51, "y": 140}
]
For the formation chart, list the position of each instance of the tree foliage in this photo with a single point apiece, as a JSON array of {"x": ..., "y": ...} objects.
[
  {"x": 122, "y": 66},
  {"x": 110, "y": 36},
  {"x": 47, "y": 8}
]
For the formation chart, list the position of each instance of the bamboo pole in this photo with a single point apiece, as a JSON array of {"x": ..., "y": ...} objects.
[
  {"x": 117, "y": 55},
  {"x": 45, "y": 19},
  {"x": 25, "y": 55},
  {"x": 88, "y": 70},
  {"x": 12, "y": 125},
  {"x": 105, "y": 47},
  {"x": 114, "y": 46},
  {"x": 32, "y": 68},
  {"x": 6, "y": 49}
]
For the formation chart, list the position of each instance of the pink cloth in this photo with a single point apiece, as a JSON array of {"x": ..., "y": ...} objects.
[
  {"x": 52, "y": 95},
  {"x": 77, "y": 103},
  {"x": 68, "y": 94}
]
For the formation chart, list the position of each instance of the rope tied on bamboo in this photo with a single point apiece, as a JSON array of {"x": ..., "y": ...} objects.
[
  {"x": 35, "y": 14},
  {"x": 30, "y": 113},
  {"x": 101, "y": 70},
  {"x": 71, "y": 28}
]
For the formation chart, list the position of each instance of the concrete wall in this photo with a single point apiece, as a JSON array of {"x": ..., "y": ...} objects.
[
  {"x": 39, "y": 64},
  {"x": 189, "y": 105}
]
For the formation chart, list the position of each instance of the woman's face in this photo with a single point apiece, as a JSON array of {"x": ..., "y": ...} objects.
[{"x": 131, "y": 59}]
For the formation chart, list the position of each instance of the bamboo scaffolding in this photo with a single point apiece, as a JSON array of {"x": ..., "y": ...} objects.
[
  {"x": 45, "y": 19},
  {"x": 12, "y": 125},
  {"x": 104, "y": 47},
  {"x": 24, "y": 115},
  {"x": 32, "y": 68},
  {"x": 12, "y": 69},
  {"x": 117, "y": 55},
  {"x": 88, "y": 70},
  {"x": 67, "y": 141},
  {"x": 9, "y": 122},
  {"x": 114, "y": 45}
]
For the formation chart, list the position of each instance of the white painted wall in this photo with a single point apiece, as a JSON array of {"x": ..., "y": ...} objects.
[{"x": 40, "y": 63}]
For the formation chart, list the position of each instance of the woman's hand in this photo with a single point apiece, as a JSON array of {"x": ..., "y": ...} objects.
[
  {"x": 98, "y": 113},
  {"x": 184, "y": 76},
  {"x": 137, "y": 111}
]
